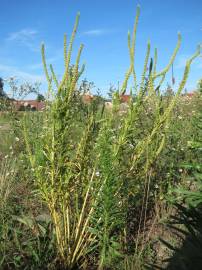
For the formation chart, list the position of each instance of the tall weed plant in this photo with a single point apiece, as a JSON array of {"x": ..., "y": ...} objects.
[{"x": 92, "y": 165}]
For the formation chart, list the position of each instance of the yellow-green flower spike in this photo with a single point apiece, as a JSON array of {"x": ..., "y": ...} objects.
[
  {"x": 54, "y": 76},
  {"x": 131, "y": 46},
  {"x": 166, "y": 69},
  {"x": 145, "y": 67},
  {"x": 65, "y": 50},
  {"x": 66, "y": 73},
  {"x": 155, "y": 60},
  {"x": 44, "y": 63}
]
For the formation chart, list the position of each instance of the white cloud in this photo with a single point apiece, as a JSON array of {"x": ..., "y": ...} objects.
[
  {"x": 35, "y": 66},
  {"x": 94, "y": 32},
  {"x": 50, "y": 60},
  {"x": 10, "y": 71},
  {"x": 24, "y": 37}
]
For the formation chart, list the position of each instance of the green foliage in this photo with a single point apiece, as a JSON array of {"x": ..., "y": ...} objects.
[
  {"x": 192, "y": 195},
  {"x": 40, "y": 97},
  {"x": 89, "y": 162},
  {"x": 2, "y": 93},
  {"x": 90, "y": 177},
  {"x": 186, "y": 224}
]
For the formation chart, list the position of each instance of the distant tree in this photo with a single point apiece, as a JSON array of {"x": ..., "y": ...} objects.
[
  {"x": 40, "y": 97},
  {"x": 169, "y": 91},
  {"x": 1, "y": 85},
  {"x": 2, "y": 93},
  {"x": 4, "y": 100},
  {"x": 86, "y": 86},
  {"x": 111, "y": 91},
  {"x": 20, "y": 91}
]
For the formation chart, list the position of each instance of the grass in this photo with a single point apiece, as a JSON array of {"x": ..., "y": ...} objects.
[{"x": 90, "y": 185}]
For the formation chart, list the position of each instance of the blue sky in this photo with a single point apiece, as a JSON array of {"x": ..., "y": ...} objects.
[{"x": 103, "y": 28}]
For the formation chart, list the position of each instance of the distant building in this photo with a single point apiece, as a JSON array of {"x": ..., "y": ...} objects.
[
  {"x": 190, "y": 95},
  {"x": 32, "y": 105},
  {"x": 125, "y": 98},
  {"x": 87, "y": 98}
]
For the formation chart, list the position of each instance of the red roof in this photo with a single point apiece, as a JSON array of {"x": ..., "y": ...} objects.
[
  {"x": 125, "y": 98},
  {"x": 34, "y": 104},
  {"x": 87, "y": 98}
]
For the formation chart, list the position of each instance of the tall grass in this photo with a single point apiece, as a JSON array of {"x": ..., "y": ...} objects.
[
  {"x": 7, "y": 169},
  {"x": 92, "y": 168},
  {"x": 7, "y": 178},
  {"x": 185, "y": 223}
]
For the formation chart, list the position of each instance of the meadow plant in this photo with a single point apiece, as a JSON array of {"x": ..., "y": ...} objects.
[
  {"x": 186, "y": 222},
  {"x": 7, "y": 178},
  {"x": 92, "y": 168},
  {"x": 192, "y": 194}
]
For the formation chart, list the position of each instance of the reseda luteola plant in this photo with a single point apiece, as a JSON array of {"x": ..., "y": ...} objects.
[{"x": 85, "y": 168}]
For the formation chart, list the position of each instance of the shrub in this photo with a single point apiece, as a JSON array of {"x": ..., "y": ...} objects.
[{"x": 92, "y": 166}]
